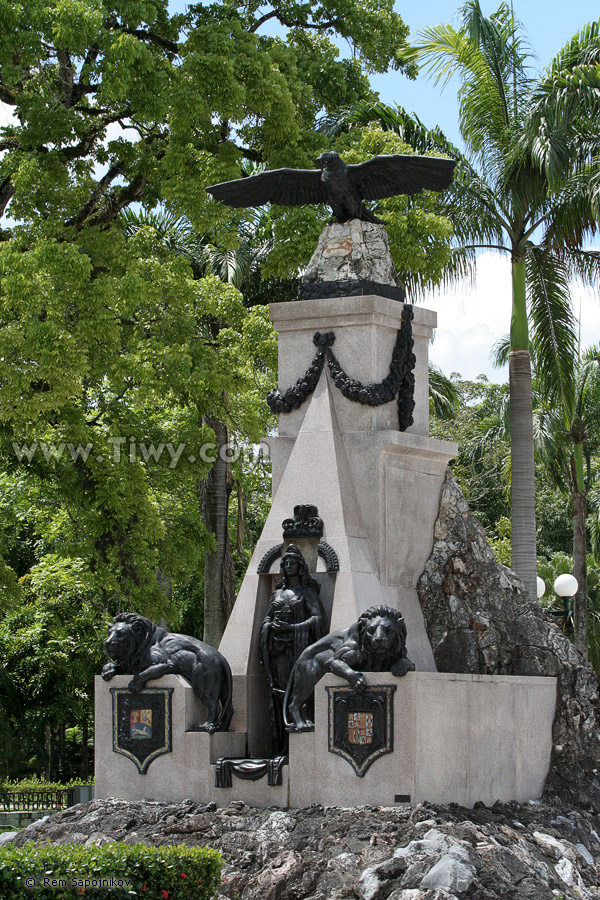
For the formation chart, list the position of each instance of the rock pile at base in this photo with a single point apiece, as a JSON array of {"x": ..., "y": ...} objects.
[
  {"x": 534, "y": 851},
  {"x": 480, "y": 619}
]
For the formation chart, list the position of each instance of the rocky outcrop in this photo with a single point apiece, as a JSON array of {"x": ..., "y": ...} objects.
[
  {"x": 354, "y": 251},
  {"x": 480, "y": 619},
  {"x": 536, "y": 851}
]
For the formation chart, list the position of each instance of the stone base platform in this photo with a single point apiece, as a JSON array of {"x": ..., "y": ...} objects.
[{"x": 456, "y": 739}]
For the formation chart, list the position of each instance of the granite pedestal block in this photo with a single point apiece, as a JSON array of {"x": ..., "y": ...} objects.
[
  {"x": 187, "y": 771},
  {"x": 457, "y": 739},
  {"x": 365, "y": 331}
]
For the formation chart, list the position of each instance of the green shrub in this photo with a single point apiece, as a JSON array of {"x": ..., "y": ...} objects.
[
  {"x": 49, "y": 872},
  {"x": 33, "y": 783}
]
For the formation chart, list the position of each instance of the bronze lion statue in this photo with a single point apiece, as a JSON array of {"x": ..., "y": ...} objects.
[
  {"x": 137, "y": 646},
  {"x": 376, "y": 643}
]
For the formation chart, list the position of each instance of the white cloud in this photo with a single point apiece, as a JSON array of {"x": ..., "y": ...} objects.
[{"x": 472, "y": 317}]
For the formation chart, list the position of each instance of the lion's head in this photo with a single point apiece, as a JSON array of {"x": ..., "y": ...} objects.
[
  {"x": 382, "y": 637},
  {"x": 129, "y": 636}
]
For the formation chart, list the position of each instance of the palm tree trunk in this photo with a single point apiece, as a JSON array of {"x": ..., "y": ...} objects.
[
  {"x": 580, "y": 635},
  {"x": 523, "y": 536},
  {"x": 219, "y": 574}
]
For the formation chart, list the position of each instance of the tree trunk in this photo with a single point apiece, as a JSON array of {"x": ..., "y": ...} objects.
[
  {"x": 85, "y": 757},
  {"x": 523, "y": 536},
  {"x": 61, "y": 750},
  {"x": 219, "y": 574},
  {"x": 580, "y": 572},
  {"x": 48, "y": 742},
  {"x": 523, "y": 551}
]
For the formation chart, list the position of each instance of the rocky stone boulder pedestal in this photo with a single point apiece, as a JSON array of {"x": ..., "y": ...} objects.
[{"x": 352, "y": 259}]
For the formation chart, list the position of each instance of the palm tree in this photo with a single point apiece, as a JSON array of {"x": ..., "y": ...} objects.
[
  {"x": 566, "y": 435},
  {"x": 529, "y": 186}
]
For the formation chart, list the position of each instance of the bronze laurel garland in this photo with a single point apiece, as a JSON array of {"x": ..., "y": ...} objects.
[{"x": 399, "y": 382}]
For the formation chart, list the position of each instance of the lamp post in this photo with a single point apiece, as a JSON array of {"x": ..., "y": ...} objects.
[{"x": 566, "y": 587}]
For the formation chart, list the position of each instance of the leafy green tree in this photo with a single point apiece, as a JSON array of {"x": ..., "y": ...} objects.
[
  {"x": 528, "y": 186},
  {"x": 51, "y": 647},
  {"x": 482, "y": 467},
  {"x": 241, "y": 267},
  {"x": 105, "y": 337}
]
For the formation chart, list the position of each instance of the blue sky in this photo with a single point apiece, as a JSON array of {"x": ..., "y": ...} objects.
[{"x": 548, "y": 26}]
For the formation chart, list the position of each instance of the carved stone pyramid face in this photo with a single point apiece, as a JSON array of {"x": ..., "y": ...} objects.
[{"x": 318, "y": 472}]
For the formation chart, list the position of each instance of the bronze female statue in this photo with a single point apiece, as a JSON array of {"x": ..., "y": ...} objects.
[{"x": 295, "y": 619}]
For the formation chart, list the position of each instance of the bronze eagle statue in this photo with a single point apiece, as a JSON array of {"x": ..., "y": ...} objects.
[{"x": 344, "y": 187}]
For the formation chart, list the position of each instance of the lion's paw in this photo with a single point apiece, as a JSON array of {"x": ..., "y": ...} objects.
[
  {"x": 359, "y": 683},
  {"x": 208, "y": 727},
  {"x": 298, "y": 729},
  {"x": 109, "y": 671},
  {"x": 403, "y": 666},
  {"x": 134, "y": 686}
]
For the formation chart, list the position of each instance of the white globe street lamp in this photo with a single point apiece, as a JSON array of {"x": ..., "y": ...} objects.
[
  {"x": 541, "y": 587},
  {"x": 566, "y": 585}
]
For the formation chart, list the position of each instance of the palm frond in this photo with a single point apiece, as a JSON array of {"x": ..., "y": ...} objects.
[
  {"x": 573, "y": 216},
  {"x": 580, "y": 265},
  {"x": 174, "y": 230},
  {"x": 551, "y": 444},
  {"x": 500, "y": 351},
  {"x": 562, "y": 118},
  {"x": 554, "y": 328},
  {"x": 443, "y": 394}
]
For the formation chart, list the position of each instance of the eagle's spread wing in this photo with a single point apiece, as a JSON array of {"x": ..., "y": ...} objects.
[
  {"x": 385, "y": 176},
  {"x": 287, "y": 187}
]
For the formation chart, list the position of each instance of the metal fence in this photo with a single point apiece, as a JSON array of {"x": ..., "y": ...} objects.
[{"x": 32, "y": 801}]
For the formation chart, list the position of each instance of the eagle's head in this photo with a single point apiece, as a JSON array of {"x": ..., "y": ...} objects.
[{"x": 328, "y": 160}]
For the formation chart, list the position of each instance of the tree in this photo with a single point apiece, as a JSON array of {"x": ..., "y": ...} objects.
[
  {"x": 482, "y": 467},
  {"x": 241, "y": 267},
  {"x": 106, "y": 337},
  {"x": 528, "y": 186},
  {"x": 567, "y": 436}
]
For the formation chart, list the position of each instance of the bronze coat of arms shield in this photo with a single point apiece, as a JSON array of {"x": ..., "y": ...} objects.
[
  {"x": 361, "y": 724},
  {"x": 142, "y": 724}
]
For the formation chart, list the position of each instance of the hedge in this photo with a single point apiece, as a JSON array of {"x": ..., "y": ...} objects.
[
  {"x": 38, "y": 784},
  {"x": 51, "y": 872}
]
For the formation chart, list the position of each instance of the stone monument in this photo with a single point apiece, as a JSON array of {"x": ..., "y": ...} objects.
[{"x": 354, "y": 462}]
